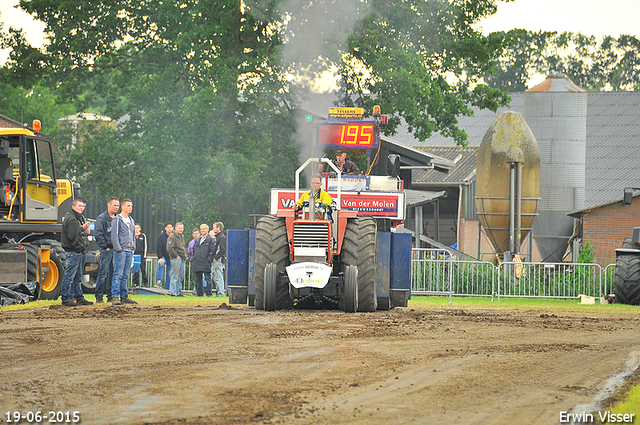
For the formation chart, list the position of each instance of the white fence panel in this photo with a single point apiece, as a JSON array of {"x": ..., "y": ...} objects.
[{"x": 438, "y": 272}]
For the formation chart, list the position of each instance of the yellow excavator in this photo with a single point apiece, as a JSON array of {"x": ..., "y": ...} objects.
[{"x": 32, "y": 203}]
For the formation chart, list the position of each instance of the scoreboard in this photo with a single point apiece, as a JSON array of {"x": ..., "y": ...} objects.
[{"x": 348, "y": 134}]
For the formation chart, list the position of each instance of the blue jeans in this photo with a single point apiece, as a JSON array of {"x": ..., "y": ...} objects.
[
  {"x": 177, "y": 275},
  {"x": 199, "y": 278},
  {"x": 121, "y": 270},
  {"x": 105, "y": 273},
  {"x": 162, "y": 274},
  {"x": 72, "y": 278},
  {"x": 217, "y": 268}
]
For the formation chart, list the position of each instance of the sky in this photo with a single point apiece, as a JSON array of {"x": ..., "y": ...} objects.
[{"x": 590, "y": 17}]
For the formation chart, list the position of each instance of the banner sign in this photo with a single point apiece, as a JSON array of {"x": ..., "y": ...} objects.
[
  {"x": 345, "y": 112},
  {"x": 375, "y": 204}
]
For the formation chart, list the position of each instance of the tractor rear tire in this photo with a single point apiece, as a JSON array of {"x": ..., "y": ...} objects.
[
  {"x": 350, "y": 292},
  {"x": 52, "y": 284},
  {"x": 359, "y": 249},
  {"x": 628, "y": 243},
  {"x": 272, "y": 246},
  {"x": 628, "y": 279}
]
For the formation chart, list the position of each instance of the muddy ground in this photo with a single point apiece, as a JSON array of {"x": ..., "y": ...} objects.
[{"x": 220, "y": 365}]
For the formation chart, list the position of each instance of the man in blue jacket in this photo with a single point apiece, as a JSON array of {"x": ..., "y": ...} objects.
[
  {"x": 103, "y": 239},
  {"x": 124, "y": 243}
]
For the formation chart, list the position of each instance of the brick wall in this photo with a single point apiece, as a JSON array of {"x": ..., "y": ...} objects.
[
  {"x": 607, "y": 226},
  {"x": 6, "y": 122}
]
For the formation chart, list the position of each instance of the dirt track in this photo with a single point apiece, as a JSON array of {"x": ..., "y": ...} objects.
[{"x": 209, "y": 365}]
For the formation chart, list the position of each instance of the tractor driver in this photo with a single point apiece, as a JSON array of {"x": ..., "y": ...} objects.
[{"x": 316, "y": 193}]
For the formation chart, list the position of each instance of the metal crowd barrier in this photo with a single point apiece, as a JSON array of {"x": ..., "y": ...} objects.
[{"x": 438, "y": 272}]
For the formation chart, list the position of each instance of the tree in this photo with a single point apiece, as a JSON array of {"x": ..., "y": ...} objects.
[
  {"x": 608, "y": 64},
  {"x": 206, "y": 91},
  {"x": 26, "y": 105}
]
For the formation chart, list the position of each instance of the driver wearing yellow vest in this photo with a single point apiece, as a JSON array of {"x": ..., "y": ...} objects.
[{"x": 316, "y": 192}]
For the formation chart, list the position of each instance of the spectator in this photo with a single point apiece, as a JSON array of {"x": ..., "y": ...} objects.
[
  {"x": 124, "y": 243},
  {"x": 141, "y": 250},
  {"x": 75, "y": 229},
  {"x": 195, "y": 234},
  {"x": 201, "y": 259},
  {"x": 103, "y": 239},
  {"x": 344, "y": 165},
  {"x": 177, "y": 250},
  {"x": 164, "y": 265},
  {"x": 219, "y": 258}
]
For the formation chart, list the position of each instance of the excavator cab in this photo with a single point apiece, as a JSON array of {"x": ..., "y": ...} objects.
[{"x": 27, "y": 177}]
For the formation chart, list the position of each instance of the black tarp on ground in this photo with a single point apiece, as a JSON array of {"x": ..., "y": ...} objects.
[{"x": 18, "y": 293}]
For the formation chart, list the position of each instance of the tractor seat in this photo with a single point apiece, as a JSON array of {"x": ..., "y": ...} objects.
[{"x": 6, "y": 169}]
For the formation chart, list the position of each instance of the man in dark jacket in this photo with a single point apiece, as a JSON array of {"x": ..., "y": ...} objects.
[
  {"x": 103, "y": 239},
  {"x": 203, "y": 250},
  {"x": 219, "y": 258},
  {"x": 75, "y": 229},
  {"x": 177, "y": 249},
  {"x": 164, "y": 262},
  {"x": 344, "y": 165}
]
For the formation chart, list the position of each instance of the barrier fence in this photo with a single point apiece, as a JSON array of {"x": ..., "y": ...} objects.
[
  {"x": 151, "y": 267},
  {"x": 438, "y": 272}
]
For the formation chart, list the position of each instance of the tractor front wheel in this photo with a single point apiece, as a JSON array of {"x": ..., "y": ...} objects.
[
  {"x": 350, "y": 292},
  {"x": 270, "y": 287}
]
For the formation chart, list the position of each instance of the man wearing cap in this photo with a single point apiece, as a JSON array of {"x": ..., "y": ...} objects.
[{"x": 344, "y": 165}]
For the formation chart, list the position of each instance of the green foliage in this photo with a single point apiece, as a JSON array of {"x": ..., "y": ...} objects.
[
  {"x": 94, "y": 154},
  {"x": 587, "y": 254},
  {"x": 26, "y": 105},
  {"x": 606, "y": 64}
]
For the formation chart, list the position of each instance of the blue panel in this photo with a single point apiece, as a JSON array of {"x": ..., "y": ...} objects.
[
  {"x": 400, "y": 261},
  {"x": 237, "y": 257},
  {"x": 383, "y": 264},
  {"x": 136, "y": 264},
  {"x": 252, "y": 256}
]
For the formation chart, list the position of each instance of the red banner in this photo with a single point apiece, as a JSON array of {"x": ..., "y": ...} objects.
[{"x": 376, "y": 204}]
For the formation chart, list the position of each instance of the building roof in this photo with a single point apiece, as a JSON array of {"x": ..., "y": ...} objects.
[
  {"x": 416, "y": 198},
  {"x": 613, "y": 142},
  {"x": 462, "y": 173},
  {"x": 417, "y": 156}
]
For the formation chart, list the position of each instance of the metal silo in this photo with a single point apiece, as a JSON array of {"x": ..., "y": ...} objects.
[
  {"x": 556, "y": 111},
  {"x": 508, "y": 141}
]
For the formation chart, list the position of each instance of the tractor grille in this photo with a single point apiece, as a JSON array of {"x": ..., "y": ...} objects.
[{"x": 308, "y": 235}]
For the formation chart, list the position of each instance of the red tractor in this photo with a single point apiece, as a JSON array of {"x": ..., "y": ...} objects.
[{"x": 317, "y": 257}]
